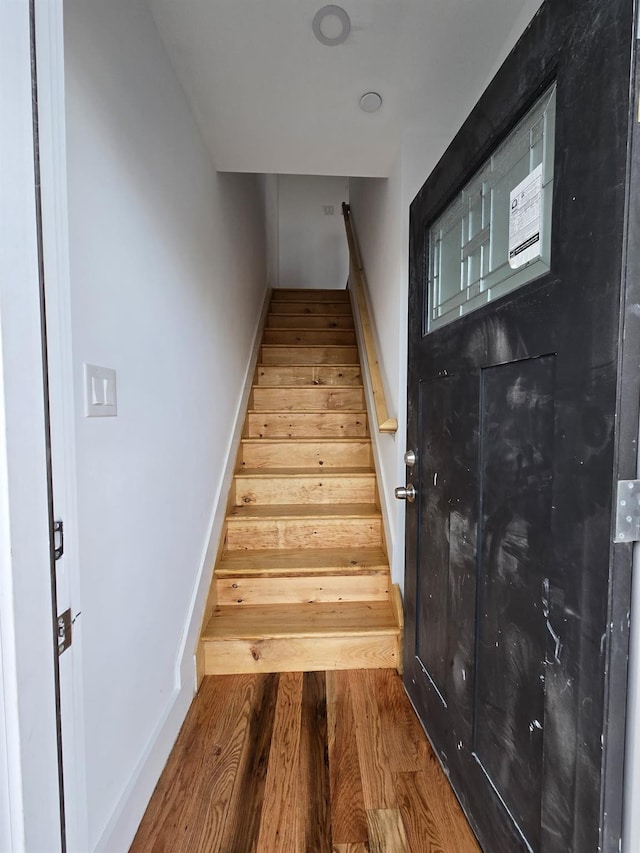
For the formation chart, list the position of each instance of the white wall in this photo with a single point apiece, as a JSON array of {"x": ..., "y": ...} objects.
[
  {"x": 312, "y": 247},
  {"x": 380, "y": 209},
  {"x": 168, "y": 278}
]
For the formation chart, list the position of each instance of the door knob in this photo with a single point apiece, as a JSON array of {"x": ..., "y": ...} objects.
[
  {"x": 406, "y": 493},
  {"x": 410, "y": 458}
]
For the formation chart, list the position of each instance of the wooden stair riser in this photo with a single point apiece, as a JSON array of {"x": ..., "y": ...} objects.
[
  {"x": 244, "y": 534},
  {"x": 308, "y": 374},
  {"x": 317, "y": 489},
  {"x": 306, "y": 295},
  {"x": 298, "y": 399},
  {"x": 310, "y": 321},
  {"x": 240, "y": 591},
  {"x": 310, "y": 337},
  {"x": 282, "y": 307},
  {"x": 313, "y": 654},
  {"x": 279, "y": 354},
  {"x": 306, "y": 425},
  {"x": 306, "y": 454},
  {"x": 297, "y": 563}
]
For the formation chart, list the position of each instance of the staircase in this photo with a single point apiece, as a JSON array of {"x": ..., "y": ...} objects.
[{"x": 302, "y": 580}]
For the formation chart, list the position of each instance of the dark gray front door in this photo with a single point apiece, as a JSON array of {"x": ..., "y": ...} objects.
[{"x": 523, "y": 402}]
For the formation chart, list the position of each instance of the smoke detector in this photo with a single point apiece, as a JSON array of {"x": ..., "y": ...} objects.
[{"x": 331, "y": 25}]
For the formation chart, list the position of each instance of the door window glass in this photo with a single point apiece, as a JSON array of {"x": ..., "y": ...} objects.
[{"x": 495, "y": 235}]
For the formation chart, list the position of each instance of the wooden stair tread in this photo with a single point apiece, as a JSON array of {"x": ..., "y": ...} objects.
[
  {"x": 357, "y": 387},
  {"x": 288, "y": 412},
  {"x": 333, "y": 473},
  {"x": 272, "y": 621},
  {"x": 309, "y": 337},
  {"x": 308, "y": 295},
  {"x": 311, "y": 346},
  {"x": 250, "y": 590},
  {"x": 289, "y": 320},
  {"x": 347, "y": 439},
  {"x": 339, "y": 448},
  {"x": 302, "y": 561},
  {"x": 281, "y": 512},
  {"x": 302, "y": 315},
  {"x": 309, "y": 398},
  {"x": 319, "y": 426},
  {"x": 319, "y": 399},
  {"x": 303, "y": 366},
  {"x": 320, "y": 329},
  {"x": 320, "y": 354},
  {"x": 335, "y": 307},
  {"x": 309, "y": 321}
]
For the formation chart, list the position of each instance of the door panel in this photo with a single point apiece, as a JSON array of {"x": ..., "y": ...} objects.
[
  {"x": 433, "y": 596},
  {"x": 512, "y": 579},
  {"x": 516, "y": 449}
]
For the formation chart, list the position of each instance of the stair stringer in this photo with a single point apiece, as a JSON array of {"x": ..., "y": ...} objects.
[{"x": 394, "y": 545}]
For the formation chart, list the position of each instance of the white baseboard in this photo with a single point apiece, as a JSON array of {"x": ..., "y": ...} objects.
[{"x": 121, "y": 828}]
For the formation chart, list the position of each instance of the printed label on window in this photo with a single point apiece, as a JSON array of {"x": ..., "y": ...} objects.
[{"x": 525, "y": 216}]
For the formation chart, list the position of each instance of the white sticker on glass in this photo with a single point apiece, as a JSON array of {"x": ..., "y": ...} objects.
[{"x": 525, "y": 219}]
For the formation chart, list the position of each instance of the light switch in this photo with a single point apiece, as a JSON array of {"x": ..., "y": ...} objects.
[{"x": 100, "y": 399}]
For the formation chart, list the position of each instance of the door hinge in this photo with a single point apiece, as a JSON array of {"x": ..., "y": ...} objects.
[
  {"x": 628, "y": 511},
  {"x": 58, "y": 539},
  {"x": 64, "y": 631}
]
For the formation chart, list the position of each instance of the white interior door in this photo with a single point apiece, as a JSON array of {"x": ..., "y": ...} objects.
[{"x": 29, "y": 760}]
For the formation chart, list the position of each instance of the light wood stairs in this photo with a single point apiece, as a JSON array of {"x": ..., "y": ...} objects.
[{"x": 302, "y": 579}]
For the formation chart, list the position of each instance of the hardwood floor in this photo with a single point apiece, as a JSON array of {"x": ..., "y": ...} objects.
[{"x": 314, "y": 762}]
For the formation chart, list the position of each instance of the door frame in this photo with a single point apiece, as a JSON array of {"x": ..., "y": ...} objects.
[
  {"x": 28, "y": 687},
  {"x": 629, "y": 374},
  {"x": 27, "y": 675},
  {"x": 49, "y": 37}
]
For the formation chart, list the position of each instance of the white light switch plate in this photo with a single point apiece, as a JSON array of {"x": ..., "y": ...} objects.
[{"x": 99, "y": 392}]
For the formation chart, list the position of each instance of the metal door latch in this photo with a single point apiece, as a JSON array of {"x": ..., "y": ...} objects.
[
  {"x": 58, "y": 539},
  {"x": 64, "y": 631},
  {"x": 628, "y": 511}
]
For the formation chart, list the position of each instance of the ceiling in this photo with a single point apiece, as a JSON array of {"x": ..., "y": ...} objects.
[{"x": 270, "y": 98}]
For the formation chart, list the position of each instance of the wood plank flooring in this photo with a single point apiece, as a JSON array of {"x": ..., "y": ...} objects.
[{"x": 314, "y": 762}]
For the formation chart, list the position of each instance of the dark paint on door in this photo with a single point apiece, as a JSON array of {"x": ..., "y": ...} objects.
[{"x": 513, "y": 587}]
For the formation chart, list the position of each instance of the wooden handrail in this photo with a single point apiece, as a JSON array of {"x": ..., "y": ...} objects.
[{"x": 358, "y": 284}]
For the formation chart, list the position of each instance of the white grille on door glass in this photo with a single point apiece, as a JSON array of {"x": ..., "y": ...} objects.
[{"x": 471, "y": 242}]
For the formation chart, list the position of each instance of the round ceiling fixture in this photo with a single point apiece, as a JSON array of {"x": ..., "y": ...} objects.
[
  {"x": 331, "y": 25},
  {"x": 370, "y": 102}
]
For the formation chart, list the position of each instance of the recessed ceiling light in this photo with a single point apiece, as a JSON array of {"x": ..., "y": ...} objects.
[
  {"x": 331, "y": 25},
  {"x": 370, "y": 102}
]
